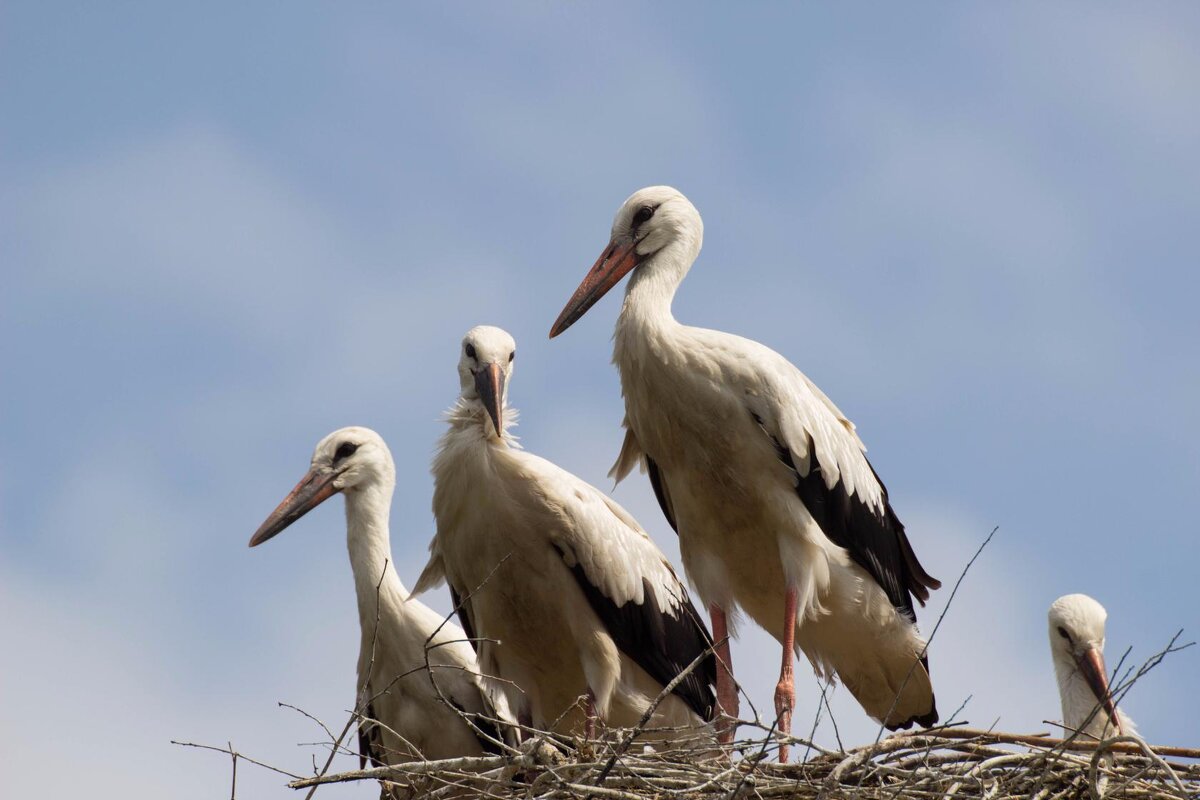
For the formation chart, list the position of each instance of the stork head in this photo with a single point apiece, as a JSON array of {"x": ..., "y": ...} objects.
[
  {"x": 344, "y": 461},
  {"x": 1076, "y": 624},
  {"x": 656, "y": 229},
  {"x": 485, "y": 364}
]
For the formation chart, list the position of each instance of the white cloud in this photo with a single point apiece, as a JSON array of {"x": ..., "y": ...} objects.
[{"x": 140, "y": 615}]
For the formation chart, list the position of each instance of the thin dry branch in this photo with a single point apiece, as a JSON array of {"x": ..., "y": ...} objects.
[
  {"x": 937, "y": 625},
  {"x": 1049, "y": 742}
]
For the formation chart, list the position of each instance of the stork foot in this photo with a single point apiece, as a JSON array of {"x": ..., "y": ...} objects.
[
  {"x": 785, "y": 690},
  {"x": 785, "y": 701}
]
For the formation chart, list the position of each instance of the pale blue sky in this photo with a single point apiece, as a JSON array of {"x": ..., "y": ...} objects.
[{"x": 227, "y": 230}]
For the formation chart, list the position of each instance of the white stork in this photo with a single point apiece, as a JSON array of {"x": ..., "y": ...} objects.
[
  {"x": 566, "y": 593},
  {"x": 1076, "y": 624},
  {"x": 764, "y": 479},
  {"x": 406, "y": 719}
]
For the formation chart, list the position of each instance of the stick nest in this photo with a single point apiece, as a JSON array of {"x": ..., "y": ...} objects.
[{"x": 950, "y": 763}]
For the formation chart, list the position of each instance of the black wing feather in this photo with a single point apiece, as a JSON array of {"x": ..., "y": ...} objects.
[
  {"x": 660, "y": 643},
  {"x": 488, "y": 730},
  {"x": 660, "y": 491},
  {"x": 875, "y": 541},
  {"x": 369, "y": 746},
  {"x": 464, "y": 618},
  {"x": 485, "y": 726}
]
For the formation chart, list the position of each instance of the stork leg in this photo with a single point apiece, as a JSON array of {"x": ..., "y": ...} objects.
[
  {"x": 590, "y": 715},
  {"x": 785, "y": 690},
  {"x": 727, "y": 694}
]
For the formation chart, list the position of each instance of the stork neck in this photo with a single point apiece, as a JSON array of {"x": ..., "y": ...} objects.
[
  {"x": 367, "y": 538},
  {"x": 1078, "y": 699},
  {"x": 468, "y": 419},
  {"x": 652, "y": 288}
]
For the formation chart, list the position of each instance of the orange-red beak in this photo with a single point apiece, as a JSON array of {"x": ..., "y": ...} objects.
[
  {"x": 1091, "y": 664},
  {"x": 614, "y": 263},
  {"x": 312, "y": 490}
]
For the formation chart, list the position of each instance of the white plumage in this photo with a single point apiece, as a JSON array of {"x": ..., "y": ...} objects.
[
  {"x": 569, "y": 597},
  {"x": 1076, "y": 630},
  {"x": 765, "y": 480},
  {"x": 406, "y": 718}
]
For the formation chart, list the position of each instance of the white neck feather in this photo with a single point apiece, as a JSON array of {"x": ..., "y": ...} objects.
[
  {"x": 467, "y": 419},
  {"x": 367, "y": 537},
  {"x": 1079, "y": 701},
  {"x": 652, "y": 288}
]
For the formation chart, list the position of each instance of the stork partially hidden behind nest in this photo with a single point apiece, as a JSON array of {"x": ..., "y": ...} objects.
[
  {"x": 405, "y": 717},
  {"x": 1076, "y": 624},
  {"x": 568, "y": 596}
]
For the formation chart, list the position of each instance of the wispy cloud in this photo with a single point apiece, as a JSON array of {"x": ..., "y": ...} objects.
[{"x": 976, "y": 235}]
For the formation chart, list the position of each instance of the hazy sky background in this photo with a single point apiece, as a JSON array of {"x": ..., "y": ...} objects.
[{"x": 227, "y": 229}]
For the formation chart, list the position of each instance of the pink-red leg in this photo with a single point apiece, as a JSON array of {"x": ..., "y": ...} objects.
[
  {"x": 785, "y": 690},
  {"x": 727, "y": 694}
]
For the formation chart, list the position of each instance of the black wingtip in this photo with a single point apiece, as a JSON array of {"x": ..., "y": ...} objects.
[
  {"x": 926, "y": 720},
  {"x": 661, "y": 642}
]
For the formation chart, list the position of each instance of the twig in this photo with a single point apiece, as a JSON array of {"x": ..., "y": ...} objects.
[
  {"x": 469, "y": 718},
  {"x": 230, "y": 751},
  {"x": 233, "y": 783},
  {"x": 936, "y": 626},
  {"x": 405, "y": 770},
  {"x": 1146, "y": 750},
  {"x": 1117, "y": 745},
  {"x": 641, "y": 723},
  {"x": 360, "y": 705}
]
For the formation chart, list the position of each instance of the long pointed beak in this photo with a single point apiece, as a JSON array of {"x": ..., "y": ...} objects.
[
  {"x": 1091, "y": 664},
  {"x": 614, "y": 263},
  {"x": 489, "y": 382},
  {"x": 312, "y": 490}
]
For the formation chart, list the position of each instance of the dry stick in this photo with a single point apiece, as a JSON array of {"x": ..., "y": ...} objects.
[
  {"x": 949, "y": 602},
  {"x": 641, "y": 723},
  {"x": 404, "y": 770},
  {"x": 1144, "y": 748},
  {"x": 757, "y": 760},
  {"x": 1011, "y": 782},
  {"x": 229, "y": 751},
  {"x": 468, "y": 718},
  {"x": 1150, "y": 663},
  {"x": 359, "y": 705},
  {"x": 837, "y": 734},
  {"x": 1066, "y": 744},
  {"x": 927, "y": 752},
  {"x": 299, "y": 710},
  {"x": 233, "y": 784},
  {"x": 933, "y": 633},
  {"x": 812, "y": 733}
]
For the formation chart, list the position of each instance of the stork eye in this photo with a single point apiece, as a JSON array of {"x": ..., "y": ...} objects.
[
  {"x": 470, "y": 350},
  {"x": 644, "y": 213},
  {"x": 345, "y": 450},
  {"x": 1063, "y": 633},
  {"x": 511, "y": 356}
]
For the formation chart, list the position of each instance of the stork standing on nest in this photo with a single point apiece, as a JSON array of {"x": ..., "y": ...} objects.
[
  {"x": 1076, "y": 624},
  {"x": 766, "y": 482},
  {"x": 566, "y": 593},
  {"x": 405, "y": 716}
]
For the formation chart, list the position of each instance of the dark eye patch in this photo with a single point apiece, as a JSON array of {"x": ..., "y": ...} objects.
[
  {"x": 511, "y": 356},
  {"x": 470, "y": 350},
  {"x": 644, "y": 213},
  {"x": 345, "y": 450},
  {"x": 1063, "y": 633}
]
